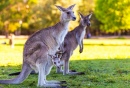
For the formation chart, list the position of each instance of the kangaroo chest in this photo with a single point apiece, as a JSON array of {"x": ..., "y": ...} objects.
[
  {"x": 59, "y": 39},
  {"x": 62, "y": 36},
  {"x": 82, "y": 35}
]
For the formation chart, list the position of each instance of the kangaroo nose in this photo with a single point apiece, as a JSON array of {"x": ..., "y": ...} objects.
[
  {"x": 89, "y": 24},
  {"x": 74, "y": 18}
]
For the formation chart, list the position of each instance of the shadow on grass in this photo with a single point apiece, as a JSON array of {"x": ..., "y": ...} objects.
[{"x": 98, "y": 74}]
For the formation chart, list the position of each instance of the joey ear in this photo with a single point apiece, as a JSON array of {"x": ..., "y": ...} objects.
[
  {"x": 90, "y": 15},
  {"x": 81, "y": 15},
  {"x": 71, "y": 7},
  {"x": 60, "y": 8}
]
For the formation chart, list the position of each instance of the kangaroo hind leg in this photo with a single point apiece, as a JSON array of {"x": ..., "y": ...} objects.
[
  {"x": 70, "y": 72},
  {"x": 48, "y": 68},
  {"x": 42, "y": 75}
]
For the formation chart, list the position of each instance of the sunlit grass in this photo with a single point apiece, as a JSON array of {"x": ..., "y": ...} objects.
[
  {"x": 102, "y": 52},
  {"x": 11, "y": 56},
  {"x": 93, "y": 49},
  {"x": 106, "y": 63}
]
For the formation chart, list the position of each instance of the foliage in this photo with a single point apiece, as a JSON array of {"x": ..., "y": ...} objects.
[
  {"x": 109, "y": 15},
  {"x": 105, "y": 62},
  {"x": 37, "y": 14},
  {"x": 114, "y": 14},
  {"x": 13, "y": 12}
]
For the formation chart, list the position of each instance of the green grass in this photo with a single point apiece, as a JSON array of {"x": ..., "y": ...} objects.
[{"x": 106, "y": 63}]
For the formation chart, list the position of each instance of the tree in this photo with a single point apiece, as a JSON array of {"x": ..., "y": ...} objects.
[
  {"x": 12, "y": 12},
  {"x": 33, "y": 15},
  {"x": 113, "y": 14}
]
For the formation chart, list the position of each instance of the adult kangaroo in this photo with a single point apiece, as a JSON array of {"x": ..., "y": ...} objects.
[
  {"x": 71, "y": 41},
  {"x": 39, "y": 47}
]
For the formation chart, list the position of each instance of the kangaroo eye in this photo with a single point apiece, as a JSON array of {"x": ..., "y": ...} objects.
[{"x": 68, "y": 12}]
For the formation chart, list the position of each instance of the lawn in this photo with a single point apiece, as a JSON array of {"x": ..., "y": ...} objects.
[{"x": 106, "y": 63}]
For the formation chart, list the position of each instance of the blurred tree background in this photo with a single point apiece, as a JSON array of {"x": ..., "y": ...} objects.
[
  {"x": 114, "y": 16},
  {"x": 110, "y": 17}
]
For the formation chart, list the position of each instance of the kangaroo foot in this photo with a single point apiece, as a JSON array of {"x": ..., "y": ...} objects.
[
  {"x": 72, "y": 71},
  {"x": 76, "y": 73},
  {"x": 63, "y": 82}
]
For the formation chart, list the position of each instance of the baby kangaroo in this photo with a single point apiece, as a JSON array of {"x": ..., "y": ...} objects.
[
  {"x": 39, "y": 47},
  {"x": 71, "y": 41}
]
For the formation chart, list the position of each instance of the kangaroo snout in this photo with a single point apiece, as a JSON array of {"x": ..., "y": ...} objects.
[
  {"x": 88, "y": 24},
  {"x": 74, "y": 18}
]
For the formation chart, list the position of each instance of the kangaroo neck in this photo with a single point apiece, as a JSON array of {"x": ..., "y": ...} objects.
[
  {"x": 62, "y": 28},
  {"x": 82, "y": 27},
  {"x": 61, "y": 31},
  {"x": 64, "y": 24}
]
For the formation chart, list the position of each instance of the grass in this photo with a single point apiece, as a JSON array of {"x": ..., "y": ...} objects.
[{"x": 106, "y": 63}]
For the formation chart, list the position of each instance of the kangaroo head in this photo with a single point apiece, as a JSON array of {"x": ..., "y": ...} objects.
[
  {"x": 85, "y": 20},
  {"x": 67, "y": 14},
  {"x": 56, "y": 60}
]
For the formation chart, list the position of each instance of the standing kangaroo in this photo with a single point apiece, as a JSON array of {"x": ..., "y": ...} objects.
[
  {"x": 71, "y": 41},
  {"x": 39, "y": 47}
]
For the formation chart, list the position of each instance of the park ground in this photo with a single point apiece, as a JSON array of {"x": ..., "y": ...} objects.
[{"x": 105, "y": 61}]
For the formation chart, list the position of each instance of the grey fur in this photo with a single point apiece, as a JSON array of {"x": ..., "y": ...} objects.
[
  {"x": 39, "y": 47},
  {"x": 71, "y": 41}
]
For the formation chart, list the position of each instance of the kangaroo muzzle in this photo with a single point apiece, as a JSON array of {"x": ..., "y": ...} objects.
[
  {"x": 88, "y": 24},
  {"x": 74, "y": 18}
]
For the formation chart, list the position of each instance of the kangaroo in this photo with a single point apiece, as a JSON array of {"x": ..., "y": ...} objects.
[
  {"x": 71, "y": 41},
  {"x": 39, "y": 47}
]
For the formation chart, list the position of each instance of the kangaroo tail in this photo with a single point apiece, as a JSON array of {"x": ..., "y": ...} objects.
[{"x": 26, "y": 70}]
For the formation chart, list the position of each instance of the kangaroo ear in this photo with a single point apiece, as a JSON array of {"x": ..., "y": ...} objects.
[
  {"x": 71, "y": 7},
  {"x": 81, "y": 15},
  {"x": 90, "y": 15},
  {"x": 60, "y": 8}
]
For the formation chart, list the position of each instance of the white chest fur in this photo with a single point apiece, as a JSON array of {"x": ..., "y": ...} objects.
[
  {"x": 59, "y": 38},
  {"x": 62, "y": 35},
  {"x": 82, "y": 35}
]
